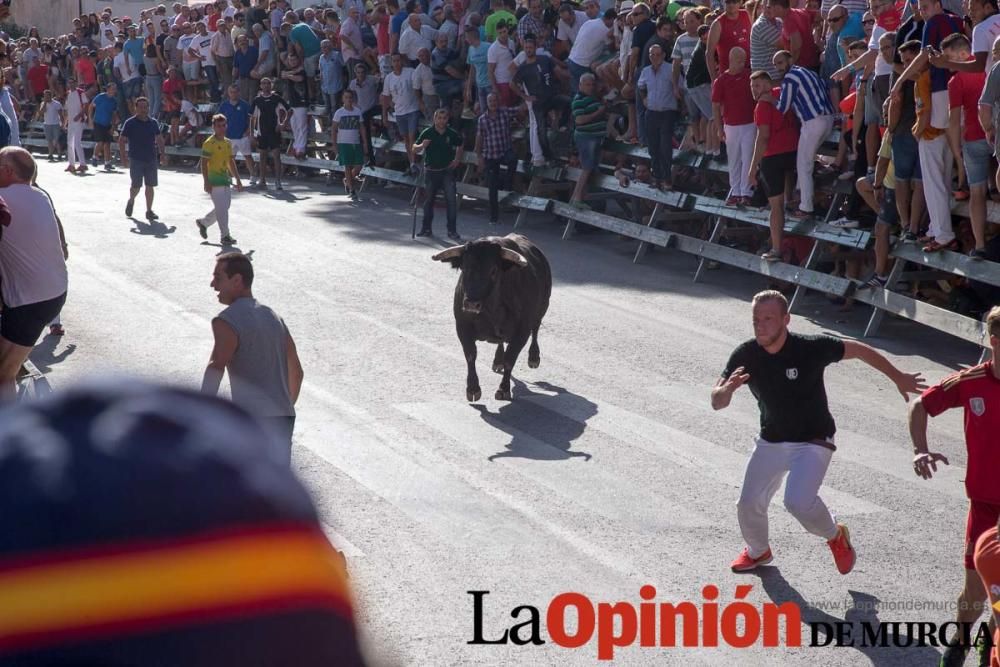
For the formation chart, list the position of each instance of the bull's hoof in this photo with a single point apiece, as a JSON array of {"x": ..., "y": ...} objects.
[
  {"x": 473, "y": 395},
  {"x": 503, "y": 395},
  {"x": 498, "y": 368},
  {"x": 533, "y": 363}
]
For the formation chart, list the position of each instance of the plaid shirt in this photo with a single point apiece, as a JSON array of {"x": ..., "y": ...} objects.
[
  {"x": 494, "y": 133},
  {"x": 529, "y": 25}
]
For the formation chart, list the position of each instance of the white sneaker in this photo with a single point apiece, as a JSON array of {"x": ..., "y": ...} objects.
[
  {"x": 611, "y": 96},
  {"x": 844, "y": 223},
  {"x": 846, "y": 176},
  {"x": 253, "y": 181}
]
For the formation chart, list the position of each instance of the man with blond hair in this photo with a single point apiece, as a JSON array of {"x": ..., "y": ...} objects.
[{"x": 784, "y": 371}]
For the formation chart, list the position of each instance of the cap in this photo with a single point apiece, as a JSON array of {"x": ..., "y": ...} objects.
[{"x": 172, "y": 505}]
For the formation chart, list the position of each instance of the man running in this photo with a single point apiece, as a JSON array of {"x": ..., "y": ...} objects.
[
  {"x": 269, "y": 114},
  {"x": 977, "y": 391},
  {"x": 145, "y": 142},
  {"x": 784, "y": 371}
]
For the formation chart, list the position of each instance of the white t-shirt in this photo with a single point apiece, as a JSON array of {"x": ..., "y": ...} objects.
[
  {"x": 75, "y": 103},
  {"x": 52, "y": 110},
  {"x": 122, "y": 68},
  {"x": 203, "y": 45},
  {"x": 522, "y": 57},
  {"x": 983, "y": 36},
  {"x": 412, "y": 41},
  {"x": 567, "y": 33},
  {"x": 32, "y": 268},
  {"x": 881, "y": 66},
  {"x": 400, "y": 88},
  {"x": 423, "y": 79},
  {"x": 348, "y": 132},
  {"x": 590, "y": 42},
  {"x": 503, "y": 56},
  {"x": 189, "y": 111}
]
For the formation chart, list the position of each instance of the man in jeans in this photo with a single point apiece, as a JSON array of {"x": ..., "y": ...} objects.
[
  {"x": 495, "y": 149},
  {"x": 442, "y": 146},
  {"x": 657, "y": 91},
  {"x": 254, "y": 345}
]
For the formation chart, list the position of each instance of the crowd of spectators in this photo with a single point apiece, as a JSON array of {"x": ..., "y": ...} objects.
[{"x": 906, "y": 88}]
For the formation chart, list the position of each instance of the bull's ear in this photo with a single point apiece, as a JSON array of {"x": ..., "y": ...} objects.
[
  {"x": 452, "y": 255},
  {"x": 513, "y": 257}
]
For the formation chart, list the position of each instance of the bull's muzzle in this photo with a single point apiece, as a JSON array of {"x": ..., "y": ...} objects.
[{"x": 472, "y": 307}]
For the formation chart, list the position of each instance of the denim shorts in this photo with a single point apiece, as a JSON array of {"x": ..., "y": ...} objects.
[
  {"x": 699, "y": 102},
  {"x": 976, "y": 156},
  {"x": 575, "y": 72},
  {"x": 588, "y": 147},
  {"x": 905, "y": 157},
  {"x": 407, "y": 122}
]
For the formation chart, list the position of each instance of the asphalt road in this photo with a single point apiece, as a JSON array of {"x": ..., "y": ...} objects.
[{"x": 607, "y": 472}]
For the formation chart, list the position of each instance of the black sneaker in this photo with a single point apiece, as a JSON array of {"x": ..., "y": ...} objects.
[
  {"x": 202, "y": 229},
  {"x": 128, "y": 207},
  {"x": 978, "y": 254},
  {"x": 228, "y": 240},
  {"x": 151, "y": 216},
  {"x": 424, "y": 232},
  {"x": 278, "y": 187},
  {"x": 454, "y": 236},
  {"x": 875, "y": 282},
  {"x": 909, "y": 237}
]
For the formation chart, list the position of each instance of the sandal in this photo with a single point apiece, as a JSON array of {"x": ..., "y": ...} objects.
[
  {"x": 934, "y": 246},
  {"x": 771, "y": 255},
  {"x": 960, "y": 195}
]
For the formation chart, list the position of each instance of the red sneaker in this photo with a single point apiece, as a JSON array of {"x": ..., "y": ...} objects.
[
  {"x": 843, "y": 553},
  {"x": 744, "y": 563}
]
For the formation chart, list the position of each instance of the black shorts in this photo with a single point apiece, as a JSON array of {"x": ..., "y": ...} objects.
[
  {"x": 102, "y": 134},
  {"x": 772, "y": 172},
  {"x": 269, "y": 142},
  {"x": 24, "y": 324},
  {"x": 142, "y": 170}
]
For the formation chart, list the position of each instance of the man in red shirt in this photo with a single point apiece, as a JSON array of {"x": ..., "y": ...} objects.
[
  {"x": 797, "y": 31},
  {"x": 729, "y": 30},
  {"x": 977, "y": 391},
  {"x": 774, "y": 152},
  {"x": 964, "y": 91},
  {"x": 38, "y": 80},
  {"x": 732, "y": 109}
]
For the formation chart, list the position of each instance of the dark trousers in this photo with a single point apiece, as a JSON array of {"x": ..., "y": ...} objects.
[
  {"x": 496, "y": 181},
  {"x": 366, "y": 117},
  {"x": 212, "y": 72},
  {"x": 660, "y": 135},
  {"x": 281, "y": 429},
  {"x": 443, "y": 181}
]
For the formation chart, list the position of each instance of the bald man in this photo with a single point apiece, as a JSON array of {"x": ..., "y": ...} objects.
[
  {"x": 732, "y": 108},
  {"x": 33, "y": 278}
]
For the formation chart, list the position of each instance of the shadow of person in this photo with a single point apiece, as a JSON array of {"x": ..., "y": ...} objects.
[
  {"x": 44, "y": 356},
  {"x": 155, "y": 228},
  {"x": 539, "y": 432},
  {"x": 862, "y": 610}
]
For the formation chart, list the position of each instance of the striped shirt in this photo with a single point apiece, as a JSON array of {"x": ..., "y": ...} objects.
[
  {"x": 803, "y": 90},
  {"x": 765, "y": 36},
  {"x": 582, "y": 106}
]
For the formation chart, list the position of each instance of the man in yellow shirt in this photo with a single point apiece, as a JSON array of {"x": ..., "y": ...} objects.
[{"x": 217, "y": 165}]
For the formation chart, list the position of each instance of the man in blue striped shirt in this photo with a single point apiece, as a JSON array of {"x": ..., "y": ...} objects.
[{"x": 804, "y": 91}]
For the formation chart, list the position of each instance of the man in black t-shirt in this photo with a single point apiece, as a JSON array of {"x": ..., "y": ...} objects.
[
  {"x": 785, "y": 374},
  {"x": 534, "y": 82},
  {"x": 268, "y": 115}
]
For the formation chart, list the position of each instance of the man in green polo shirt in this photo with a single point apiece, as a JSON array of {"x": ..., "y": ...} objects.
[{"x": 442, "y": 149}]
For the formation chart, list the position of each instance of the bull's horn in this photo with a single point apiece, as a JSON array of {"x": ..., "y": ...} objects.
[
  {"x": 512, "y": 256},
  {"x": 449, "y": 253}
]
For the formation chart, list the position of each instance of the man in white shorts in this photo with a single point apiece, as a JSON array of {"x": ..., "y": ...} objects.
[
  {"x": 237, "y": 113},
  {"x": 784, "y": 371}
]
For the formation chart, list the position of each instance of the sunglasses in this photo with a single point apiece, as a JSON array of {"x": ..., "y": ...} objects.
[{"x": 868, "y": 23}]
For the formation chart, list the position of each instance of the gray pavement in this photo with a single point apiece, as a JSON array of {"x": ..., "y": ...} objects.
[{"x": 607, "y": 472}]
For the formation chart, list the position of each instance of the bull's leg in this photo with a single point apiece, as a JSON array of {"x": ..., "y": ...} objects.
[
  {"x": 472, "y": 390},
  {"x": 534, "y": 355},
  {"x": 514, "y": 348},
  {"x": 498, "y": 359}
]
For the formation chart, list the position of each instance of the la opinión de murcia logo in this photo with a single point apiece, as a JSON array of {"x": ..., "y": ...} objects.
[{"x": 705, "y": 624}]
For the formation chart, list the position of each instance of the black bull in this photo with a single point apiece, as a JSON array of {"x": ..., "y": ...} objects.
[{"x": 501, "y": 297}]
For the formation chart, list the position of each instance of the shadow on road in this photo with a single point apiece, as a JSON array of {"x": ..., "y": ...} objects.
[
  {"x": 538, "y": 432},
  {"x": 156, "y": 229},
  {"x": 44, "y": 355},
  {"x": 862, "y": 610}
]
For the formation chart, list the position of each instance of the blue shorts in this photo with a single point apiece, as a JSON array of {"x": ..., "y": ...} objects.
[
  {"x": 905, "y": 158},
  {"x": 575, "y": 72},
  {"x": 142, "y": 170},
  {"x": 407, "y": 122},
  {"x": 699, "y": 102},
  {"x": 588, "y": 147},
  {"x": 976, "y": 156},
  {"x": 888, "y": 214}
]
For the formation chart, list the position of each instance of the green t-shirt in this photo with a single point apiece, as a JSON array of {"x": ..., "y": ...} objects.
[
  {"x": 441, "y": 151},
  {"x": 583, "y": 105},
  {"x": 304, "y": 36},
  {"x": 496, "y": 17}
]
